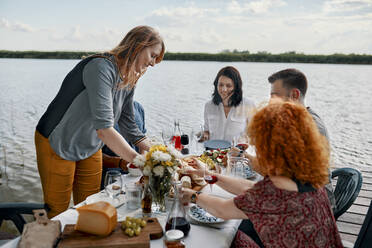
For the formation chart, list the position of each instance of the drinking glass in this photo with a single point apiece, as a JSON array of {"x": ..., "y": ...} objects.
[
  {"x": 133, "y": 192},
  {"x": 113, "y": 183},
  {"x": 237, "y": 165}
]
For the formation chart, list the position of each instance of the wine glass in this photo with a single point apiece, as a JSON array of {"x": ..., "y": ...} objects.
[
  {"x": 185, "y": 143},
  {"x": 210, "y": 179},
  {"x": 113, "y": 183},
  {"x": 241, "y": 141},
  {"x": 196, "y": 135},
  {"x": 166, "y": 135}
]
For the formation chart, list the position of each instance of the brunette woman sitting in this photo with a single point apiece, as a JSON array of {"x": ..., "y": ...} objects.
[{"x": 289, "y": 207}]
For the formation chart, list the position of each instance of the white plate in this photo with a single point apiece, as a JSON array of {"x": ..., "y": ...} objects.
[
  {"x": 200, "y": 215},
  {"x": 217, "y": 144},
  {"x": 102, "y": 196}
]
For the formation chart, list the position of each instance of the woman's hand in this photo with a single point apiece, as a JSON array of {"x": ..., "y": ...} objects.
[
  {"x": 196, "y": 167},
  {"x": 186, "y": 195},
  {"x": 144, "y": 145},
  {"x": 204, "y": 136}
]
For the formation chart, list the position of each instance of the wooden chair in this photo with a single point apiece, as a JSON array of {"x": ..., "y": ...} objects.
[{"x": 349, "y": 183}]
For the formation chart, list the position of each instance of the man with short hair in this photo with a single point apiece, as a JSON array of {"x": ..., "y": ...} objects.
[{"x": 291, "y": 85}]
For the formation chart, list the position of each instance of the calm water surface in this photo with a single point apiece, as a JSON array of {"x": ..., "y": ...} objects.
[{"x": 340, "y": 94}]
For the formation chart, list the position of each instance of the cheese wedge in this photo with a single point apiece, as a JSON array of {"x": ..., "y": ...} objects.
[{"x": 99, "y": 218}]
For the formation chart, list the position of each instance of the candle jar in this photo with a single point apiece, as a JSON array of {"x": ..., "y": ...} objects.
[{"x": 174, "y": 239}]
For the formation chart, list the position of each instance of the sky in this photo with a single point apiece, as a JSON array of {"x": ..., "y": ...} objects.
[{"x": 275, "y": 26}]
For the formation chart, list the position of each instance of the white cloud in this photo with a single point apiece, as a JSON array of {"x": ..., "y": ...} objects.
[
  {"x": 4, "y": 23},
  {"x": 74, "y": 34},
  {"x": 257, "y": 7},
  {"x": 236, "y": 24},
  {"x": 179, "y": 16},
  {"x": 183, "y": 12},
  {"x": 337, "y": 6},
  {"x": 210, "y": 37},
  {"x": 16, "y": 26}
]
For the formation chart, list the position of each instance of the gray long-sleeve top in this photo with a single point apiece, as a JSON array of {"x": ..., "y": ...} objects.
[{"x": 97, "y": 104}]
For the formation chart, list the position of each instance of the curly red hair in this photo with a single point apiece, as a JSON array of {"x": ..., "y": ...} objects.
[{"x": 289, "y": 144}]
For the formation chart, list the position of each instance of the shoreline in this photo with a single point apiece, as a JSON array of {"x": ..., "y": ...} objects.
[{"x": 235, "y": 56}]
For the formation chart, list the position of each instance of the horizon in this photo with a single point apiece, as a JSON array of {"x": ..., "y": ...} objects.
[
  {"x": 275, "y": 26},
  {"x": 220, "y": 52}
]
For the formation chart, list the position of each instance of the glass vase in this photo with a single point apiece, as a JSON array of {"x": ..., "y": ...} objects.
[{"x": 160, "y": 186}]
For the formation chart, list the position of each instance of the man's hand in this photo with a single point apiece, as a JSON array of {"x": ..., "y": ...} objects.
[{"x": 204, "y": 136}]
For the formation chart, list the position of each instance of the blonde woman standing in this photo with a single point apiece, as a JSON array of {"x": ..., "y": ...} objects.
[{"x": 95, "y": 94}]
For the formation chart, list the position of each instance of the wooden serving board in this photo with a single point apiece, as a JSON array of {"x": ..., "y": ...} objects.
[{"x": 76, "y": 239}]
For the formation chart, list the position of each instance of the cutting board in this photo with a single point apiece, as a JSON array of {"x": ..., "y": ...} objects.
[{"x": 72, "y": 238}]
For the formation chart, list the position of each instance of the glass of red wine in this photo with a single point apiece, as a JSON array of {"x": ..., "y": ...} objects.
[
  {"x": 210, "y": 179},
  {"x": 185, "y": 144}
]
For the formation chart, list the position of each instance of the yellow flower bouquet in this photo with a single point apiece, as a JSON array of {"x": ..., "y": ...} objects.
[{"x": 159, "y": 164}]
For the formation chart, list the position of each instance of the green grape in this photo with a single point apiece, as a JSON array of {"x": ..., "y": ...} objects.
[
  {"x": 133, "y": 225},
  {"x": 137, "y": 231},
  {"x": 128, "y": 223},
  {"x": 143, "y": 223},
  {"x": 130, "y": 232}
]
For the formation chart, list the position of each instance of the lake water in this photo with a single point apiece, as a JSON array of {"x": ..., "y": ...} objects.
[{"x": 340, "y": 94}]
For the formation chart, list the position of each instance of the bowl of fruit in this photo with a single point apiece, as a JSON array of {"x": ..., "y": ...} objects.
[{"x": 134, "y": 170}]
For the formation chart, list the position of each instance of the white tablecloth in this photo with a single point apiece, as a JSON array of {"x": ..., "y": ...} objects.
[{"x": 199, "y": 236}]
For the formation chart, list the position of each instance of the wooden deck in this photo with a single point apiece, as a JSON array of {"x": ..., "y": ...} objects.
[{"x": 350, "y": 222}]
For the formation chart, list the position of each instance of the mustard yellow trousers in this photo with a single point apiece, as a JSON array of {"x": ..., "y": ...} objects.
[{"x": 59, "y": 176}]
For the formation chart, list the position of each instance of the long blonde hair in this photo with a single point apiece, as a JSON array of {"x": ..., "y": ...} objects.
[{"x": 129, "y": 48}]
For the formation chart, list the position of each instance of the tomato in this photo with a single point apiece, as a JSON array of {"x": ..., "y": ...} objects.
[{"x": 132, "y": 166}]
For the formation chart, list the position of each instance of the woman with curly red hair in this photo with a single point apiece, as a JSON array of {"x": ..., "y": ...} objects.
[{"x": 289, "y": 207}]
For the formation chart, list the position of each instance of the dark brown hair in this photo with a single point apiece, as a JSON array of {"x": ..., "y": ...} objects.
[
  {"x": 234, "y": 75},
  {"x": 292, "y": 78}
]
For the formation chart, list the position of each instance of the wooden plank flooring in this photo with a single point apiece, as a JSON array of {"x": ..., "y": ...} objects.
[{"x": 349, "y": 223}]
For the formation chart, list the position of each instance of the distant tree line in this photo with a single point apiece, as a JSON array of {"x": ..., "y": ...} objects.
[
  {"x": 225, "y": 55},
  {"x": 43, "y": 55}
]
